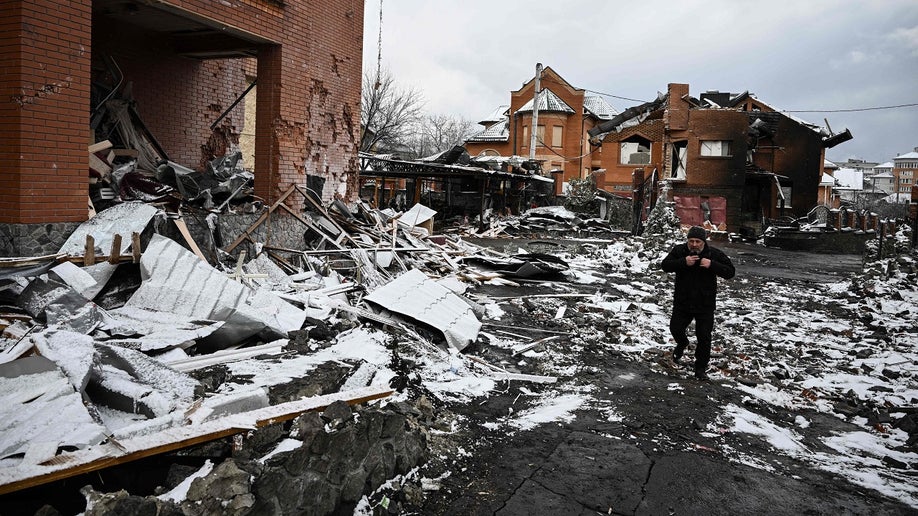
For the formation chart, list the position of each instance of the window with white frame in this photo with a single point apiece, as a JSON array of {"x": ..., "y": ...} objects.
[{"x": 716, "y": 148}]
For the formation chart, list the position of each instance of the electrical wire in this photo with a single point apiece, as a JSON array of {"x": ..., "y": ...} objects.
[
  {"x": 563, "y": 157},
  {"x": 851, "y": 110},
  {"x": 616, "y": 96}
]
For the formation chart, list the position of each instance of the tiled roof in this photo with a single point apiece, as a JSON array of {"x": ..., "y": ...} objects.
[
  {"x": 548, "y": 101},
  {"x": 496, "y": 132},
  {"x": 499, "y": 113},
  {"x": 599, "y": 107}
]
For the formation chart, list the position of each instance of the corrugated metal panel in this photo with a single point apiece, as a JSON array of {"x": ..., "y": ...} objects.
[{"x": 415, "y": 295}]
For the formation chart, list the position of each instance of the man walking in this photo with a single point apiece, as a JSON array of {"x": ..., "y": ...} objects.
[{"x": 697, "y": 266}]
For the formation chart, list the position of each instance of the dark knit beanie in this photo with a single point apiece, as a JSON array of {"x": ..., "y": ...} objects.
[{"x": 698, "y": 232}]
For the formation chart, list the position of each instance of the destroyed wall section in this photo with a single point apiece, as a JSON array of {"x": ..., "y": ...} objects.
[
  {"x": 795, "y": 151},
  {"x": 177, "y": 98},
  {"x": 309, "y": 69}
]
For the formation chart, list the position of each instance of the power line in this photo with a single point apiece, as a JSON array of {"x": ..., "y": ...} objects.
[
  {"x": 853, "y": 110},
  {"x": 615, "y": 96}
]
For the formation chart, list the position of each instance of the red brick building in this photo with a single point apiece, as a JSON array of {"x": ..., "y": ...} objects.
[
  {"x": 565, "y": 114},
  {"x": 729, "y": 159},
  {"x": 185, "y": 62}
]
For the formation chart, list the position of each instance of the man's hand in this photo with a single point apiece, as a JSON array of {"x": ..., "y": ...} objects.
[
  {"x": 705, "y": 263},
  {"x": 692, "y": 258}
]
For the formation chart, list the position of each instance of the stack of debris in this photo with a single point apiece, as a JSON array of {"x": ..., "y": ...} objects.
[{"x": 98, "y": 362}]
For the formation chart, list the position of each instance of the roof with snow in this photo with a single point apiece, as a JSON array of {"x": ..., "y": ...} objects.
[
  {"x": 829, "y": 164},
  {"x": 548, "y": 101},
  {"x": 499, "y": 113},
  {"x": 908, "y": 155},
  {"x": 599, "y": 107},
  {"x": 849, "y": 178},
  {"x": 496, "y": 132},
  {"x": 888, "y": 164}
]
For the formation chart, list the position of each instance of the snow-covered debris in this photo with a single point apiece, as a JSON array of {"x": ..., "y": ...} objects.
[{"x": 176, "y": 281}]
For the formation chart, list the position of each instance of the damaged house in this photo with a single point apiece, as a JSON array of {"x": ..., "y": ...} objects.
[
  {"x": 731, "y": 160},
  {"x": 564, "y": 115},
  {"x": 170, "y": 82}
]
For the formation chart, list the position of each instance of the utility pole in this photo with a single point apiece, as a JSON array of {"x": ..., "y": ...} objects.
[{"x": 534, "y": 126}]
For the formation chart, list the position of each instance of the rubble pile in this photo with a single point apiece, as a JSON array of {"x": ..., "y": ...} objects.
[{"x": 135, "y": 353}]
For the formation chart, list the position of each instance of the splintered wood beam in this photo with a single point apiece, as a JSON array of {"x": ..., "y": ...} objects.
[
  {"x": 114, "y": 453},
  {"x": 183, "y": 229}
]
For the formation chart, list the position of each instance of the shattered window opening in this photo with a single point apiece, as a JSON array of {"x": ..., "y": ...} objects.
[
  {"x": 635, "y": 151},
  {"x": 679, "y": 155},
  {"x": 716, "y": 148}
]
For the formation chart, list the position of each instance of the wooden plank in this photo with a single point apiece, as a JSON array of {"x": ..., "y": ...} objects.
[
  {"x": 96, "y": 163},
  {"x": 89, "y": 252},
  {"x": 524, "y": 377},
  {"x": 534, "y": 344},
  {"x": 115, "y": 255},
  {"x": 114, "y": 453},
  {"x": 183, "y": 229},
  {"x": 100, "y": 146}
]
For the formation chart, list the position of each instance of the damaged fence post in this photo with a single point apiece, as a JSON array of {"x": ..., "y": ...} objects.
[
  {"x": 89, "y": 253},
  {"x": 114, "y": 256},
  {"x": 135, "y": 247}
]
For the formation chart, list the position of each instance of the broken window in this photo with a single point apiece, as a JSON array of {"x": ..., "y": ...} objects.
[
  {"x": 719, "y": 148},
  {"x": 635, "y": 151},
  {"x": 786, "y": 196},
  {"x": 556, "y": 134},
  {"x": 679, "y": 156}
]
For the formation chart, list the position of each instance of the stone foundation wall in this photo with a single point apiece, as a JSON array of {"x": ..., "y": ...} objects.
[
  {"x": 339, "y": 459},
  {"x": 34, "y": 239},
  {"x": 279, "y": 230}
]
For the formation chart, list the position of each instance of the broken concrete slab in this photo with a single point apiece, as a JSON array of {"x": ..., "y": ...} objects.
[
  {"x": 175, "y": 281},
  {"x": 415, "y": 295}
]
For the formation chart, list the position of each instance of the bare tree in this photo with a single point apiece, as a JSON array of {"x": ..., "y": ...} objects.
[
  {"x": 437, "y": 133},
  {"x": 388, "y": 112}
]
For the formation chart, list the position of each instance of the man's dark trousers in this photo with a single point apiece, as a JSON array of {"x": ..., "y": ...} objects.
[{"x": 704, "y": 325}]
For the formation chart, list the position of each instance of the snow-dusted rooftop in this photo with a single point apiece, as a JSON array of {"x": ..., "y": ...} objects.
[
  {"x": 849, "y": 178},
  {"x": 599, "y": 107},
  {"x": 548, "y": 101}
]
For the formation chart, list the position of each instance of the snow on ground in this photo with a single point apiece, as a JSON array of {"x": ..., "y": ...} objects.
[{"x": 805, "y": 345}]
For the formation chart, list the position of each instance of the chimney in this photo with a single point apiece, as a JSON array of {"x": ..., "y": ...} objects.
[{"x": 677, "y": 113}]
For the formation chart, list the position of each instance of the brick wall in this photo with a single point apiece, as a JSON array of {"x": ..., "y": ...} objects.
[
  {"x": 44, "y": 130},
  {"x": 308, "y": 105}
]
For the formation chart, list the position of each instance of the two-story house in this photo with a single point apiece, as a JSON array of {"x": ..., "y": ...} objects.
[
  {"x": 564, "y": 116},
  {"x": 905, "y": 171},
  {"x": 730, "y": 159}
]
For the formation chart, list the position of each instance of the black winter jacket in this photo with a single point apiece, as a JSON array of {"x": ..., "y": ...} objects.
[{"x": 696, "y": 287}]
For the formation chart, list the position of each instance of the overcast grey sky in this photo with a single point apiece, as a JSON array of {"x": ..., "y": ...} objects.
[{"x": 466, "y": 56}]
